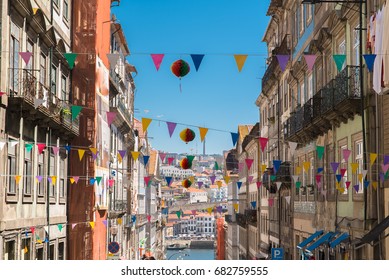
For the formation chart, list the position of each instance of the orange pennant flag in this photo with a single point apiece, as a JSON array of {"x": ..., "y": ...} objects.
[
  {"x": 120, "y": 158},
  {"x": 72, "y": 180},
  {"x": 298, "y": 170},
  {"x": 219, "y": 184},
  {"x": 81, "y": 153},
  {"x": 203, "y": 132},
  {"x": 240, "y": 59},
  {"x": 145, "y": 123},
  {"x": 92, "y": 224},
  {"x": 227, "y": 179},
  {"x": 354, "y": 167},
  {"x": 17, "y": 179},
  {"x": 120, "y": 221},
  {"x": 306, "y": 165},
  {"x": 135, "y": 155},
  {"x": 25, "y": 250},
  {"x": 53, "y": 180},
  {"x": 373, "y": 157},
  {"x": 209, "y": 210}
]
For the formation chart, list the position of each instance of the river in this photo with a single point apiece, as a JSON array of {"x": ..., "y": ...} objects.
[{"x": 194, "y": 254}]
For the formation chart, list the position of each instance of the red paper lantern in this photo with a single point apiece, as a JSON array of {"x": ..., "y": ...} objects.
[{"x": 187, "y": 135}]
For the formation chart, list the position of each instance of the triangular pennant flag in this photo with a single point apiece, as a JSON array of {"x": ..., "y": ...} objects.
[
  {"x": 283, "y": 60},
  {"x": 71, "y": 179},
  {"x": 369, "y": 60},
  {"x": 320, "y": 151},
  {"x": 94, "y": 153},
  {"x": 60, "y": 227},
  {"x": 249, "y": 162},
  {"x": 346, "y": 154},
  {"x": 287, "y": 198},
  {"x": 386, "y": 159},
  {"x": 298, "y": 185},
  {"x": 197, "y": 59},
  {"x": 41, "y": 147},
  {"x": 2, "y": 144},
  {"x": 170, "y": 160},
  {"x": 162, "y": 156},
  {"x": 310, "y": 60},
  {"x": 113, "y": 59},
  {"x": 168, "y": 180},
  {"x": 384, "y": 167},
  {"x": 39, "y": 178},
  {"x": 146, "y": 159},
  {"x": 263, "y": 142},
  {"x": 234, "y": 137},
  {"x": 98, "y": 180},
  {"x": 298, "y": 170},
  {"x": 68, "y": 148},
  {"x": 292, "y": 147},
  {"x": 339, "y": 60},
  {"x": 192, "y": 179},
  {"x": 38, "y": 102},
  {"x": 373, "y": 157},
  {"x": 239, "y": 185},
  {"x": 29, "y": 147},
  {"x": 273, "y": 177},
  {"x": 135, "y": 155},
  {"x": 318, "y": 178},
  {"x": 105, "y": 222},
  {"x": 354, "y": 167},
  {"x": 338, "y": 177},
  {"x": 250, "y": 179},
  {"x": 276, "y": 165},
  {"x": 133, "y": 218},
  {"x": 26, "y": 56},
  {"x": 253, "y": 204},
  {"x": 347, "y": 184},
  {"x": 216, "y": 166},
  {"x": 227, "y": 179},
  {"x": 55, "y": 150},
  {"x": 92, "y": 224},
  {"x": 259, "y": 184},
  {"x": 171, "y": 126},
  {"x": 209, "y": 210},
  {"x": 92, "y": 181},
  {"x": 81, "y": 153},
  {"x": 295, "y": 178},
  {"x": 270, "y": 201},
  {"x": 364, "y": 173},
  {"x": 2, "y": 93},
  {"x": 356, "y": 188},
  {"x": 145, "y": 123},
  {"x": 219, "y": 209},
  {"x": 32, "y": 230},
  {"x": 306, "y": 166},
  {"x": 337, "y": 185},
  {"x": 375, "y": 185},
  {"x": 13, "y": 143},
  {"x": 178, "y": 213},
  {"x": 213, "y": 177},
  {"x": 203, "y": 132},
  {"x": 76, "y": 178},
  {"x": 236, "y": 207},
  {"x": 147, "y": 180},
  {"x": 194, "y": 212},
  {"x": 343, "y": 171},
  {"x": 382, "y": 177},
  {"x": 75, "y": 111},
  {"x": 46, "y": 228},
  {"x": 25, "y": 250},
  {"x": 17, "y": 179},
  {"x": 366, "y": 184},
  {"x": 111, "y": 182},
  {"x": 324, "y": 193},
  {"x": 240, "y": 59},
  {"x": 263, "y": 168},
  {"x": 360, "y": 178},
  {"x": 320, "y": 169},
  {"x": 110, "y": 117},
  {"x": 219, "y": 184},
  {"x": 157, "y": 59},
  {"x": 149, "y": 218},
  {"x": 71, "y": 58},
  {"x": 334, "y": 166},
  {"x": 278, "y": 185},
  {"x": 199, "y": 183},
  {"x": 122, "y": 153}
]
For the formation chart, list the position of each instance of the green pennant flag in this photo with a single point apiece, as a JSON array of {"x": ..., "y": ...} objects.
[
  {"x": 298, "y": 185},
  {"x": 272, "y": 177},
  {"x": 190, "y": 158},
  {"x": 320, "y": 151},
  {"x": 29, "y": 147},
  {"x": 178, "y": 214},
  {"x": 60, "y": 227},
  {"x": 98, "y": 179},
  {"x": 75, "y": 111},
  {"x": 339, "y": 60},
  {"x": 70, "y": 58},
  {"x": 216, "y": 166}
]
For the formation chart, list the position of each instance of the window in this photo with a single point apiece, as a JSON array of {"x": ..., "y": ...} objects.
[
  {"x": 343, "y": 165},
  {"x": 342, "y": 50},
  {"x": 302, "y": 8},
  {"x": 54, "y": 79},
  {"x": 30, "y": 48},
  {"x": 43, "y": 69},
  {"x": 64, "y": 86},
  {"x": 359, "y": 159},
  {"x": 65, "y": 9},
  {"x": 310, "y": 86},
  {"x": 302, "y": 94},
  {"x": 11, "y": 162},
  {"x": 52, "y": 172},
  {"x": 9, "y": 253},
  {"x": 61, "y": 250},
  {"x": 286, "y": 105},
  {"x": 39, "y": 253},
  {"x": 309, "y": 14},
  {"x": 356, "y": 45},
  {"x": 14, "y": 57},
  {"x": 41, "y": 170},
  {"x": 27, "y": 175},
  {"x": 56, "y": 3},
  {"x": 25, "y": 249},
  {"x": 62, "y": 169},
  {"x": 52, "y": 252}
]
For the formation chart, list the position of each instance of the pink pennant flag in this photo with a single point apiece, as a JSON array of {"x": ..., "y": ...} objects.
[
  {"x": 263, "y": 142},
  {"x": 73, "y": 226},
  {"x": 270, "y": 201},
  {"x": 343, "y": 171},
  {"x": 110, "y": 117},
  {"x": 147, "y": 180},
  {"x": 26, "y": 56},
  {"x": 171, "y": 127},
  {"x": 240, "y": 165},
  {"x": 148, "y": 218},
  {"x": 319, "y": 185},
  {"x": 310, "y": 60},
  {"x": 384, "y": 167},
  {"x": 162, "y": 156},
  {"x": 250, "y": 179},
  {"x": 39, "y": 178},
  {"x": 318, "y": 178},
  {"x": 55, "y": 150},
  {"x": 259, "y": 184},
  {"x": 157, "y": 59},
  {"x": 76, "y": 178},
  {"x": 346, "y": 154},
  {"x": 41, "y": 147},
  {"x": 111, "y": 182},
  {"x": 348, "y": 184},
  {"x": 170, "y": 160},
  {"x": 249, "y": 162}
]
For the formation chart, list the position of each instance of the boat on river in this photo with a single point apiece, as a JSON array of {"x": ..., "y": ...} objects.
[{"x": 176, "y": 246}]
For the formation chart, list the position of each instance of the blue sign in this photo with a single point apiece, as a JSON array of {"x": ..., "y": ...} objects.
[
  {"x": 277, "y": 253},
  {"x": 113, "y": 247}
]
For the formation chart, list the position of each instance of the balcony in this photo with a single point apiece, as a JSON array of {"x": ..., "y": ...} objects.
[
  {"x": 241, "y": 220},
  {"x": 283, "y": 176},
  {"x": 251, "y": 216},
  {"x": 335, "y": 103},
  {"x": 24, "y": 88},
  {"x": 230, "y": 218},
  {"x": 123, "y": 120}
]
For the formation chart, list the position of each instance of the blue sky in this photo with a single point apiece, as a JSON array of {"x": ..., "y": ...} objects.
[{"x": 217, "y": 96}]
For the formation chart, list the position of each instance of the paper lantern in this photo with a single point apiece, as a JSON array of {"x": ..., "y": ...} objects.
[
  {"x": 187, "y": 135},
  {"x": 185, "y": 163},
  {"x": 186, "y": 183},
  {"x": 180, "y": 68}
]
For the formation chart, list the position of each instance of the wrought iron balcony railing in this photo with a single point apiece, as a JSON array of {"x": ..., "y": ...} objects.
[
  {"x": 251, "y": 216},
  {"x": 241, "y": 219}
]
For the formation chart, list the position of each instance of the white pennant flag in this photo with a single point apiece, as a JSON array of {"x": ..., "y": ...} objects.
[
  {"x": 13, "y": 143},
  {"x": 295, "y": 178},
  {"x": 364, "y": 173},
  {"x": 2, "y": 144},
  {"x": 113, "y": 58},
  {"x": 278, "y": 185},
  {"x": 38, "y": 102},
  {"x": 46, "y": 228},
  {"x": 287, "y": 198},
  {"x": 292, "y": 147}
]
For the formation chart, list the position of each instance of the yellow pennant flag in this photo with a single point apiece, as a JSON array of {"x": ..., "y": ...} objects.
[
  {"x": 219, "y": 184},
  {"x": 93, "y": 150},
  {"x": 120, "y": 158},
  {"x": 203, "y": 132},
  {"x": 263, "y": 167},
  {"x": 240, "y": 59},
  {"x": 119, "y": 221},
  {"x": 92, "y": 224},
  {"x": 39, "y": 241},
  {"x": 34, "y": 10},
  {"x": 360, "y": 177},
  {"x": 298, "y": 170},
  {"x": 25, "y": 250},
  {"x": 227, "y": 179},
  {"x": 341, "y": 190},
  {"x": 145, "y": 123},
  {"x": 17, "y": 179},
  {"x": 354, "y": 167},
  {"x": 373, "y": 157},
  {"x": 209, "y": 210},
  {"x": 338, "y": 185},
  {"x": 53, "y": 180},
  {"x": 192, "y": 178},
  {"x": 81, "y": 153},
  {"x": 236, "y": 207},
  {"x": 72, "y": 180},
  {"x": 135, "y": 155},
  {"x": 375, "y": 185},
  {"x": 306, "y": 165}
]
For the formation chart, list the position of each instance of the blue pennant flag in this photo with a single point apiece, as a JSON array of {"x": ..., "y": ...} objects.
[
  {"x": 276, "y": 165},
  {"x": 366, "y": 184},
  {"x": 338, "y": 177},
  {"x": 234, "y": 137},
  {"x": 197, "y": 58},
  {"x": 92, "y": 181},
  {"x": 239, "y": 184},
  {"x": 369, "y": 59},
  {"x": 146, "y": 159},
  {"x": 254, "y": 204},
  {"x": 133, "y": 218},
  {"x": 168, "y": 180},
  {"x": 68, "y": 148},
  {"x": 320, "y": 169}
]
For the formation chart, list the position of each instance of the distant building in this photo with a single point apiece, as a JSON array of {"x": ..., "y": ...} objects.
[{"x": 197, "y": 195}]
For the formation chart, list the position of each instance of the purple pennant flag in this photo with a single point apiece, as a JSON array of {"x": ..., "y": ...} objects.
[
  {"x": 219, "y": 209},
  {"x": 239, "y": 185},
  {"x": 105, "y": 222},
  {"x": 334, "y": 166},
  {"x": 356, "y": 187},
  {"x": 310, "y": 60},
  {"x": 122, "y": 153},
  {"x": 213, "y": 177},
  {"x": 94, "y": 155},
  {"x": 382, "y": 177},
  {"x": 199, "y": 184},
  {"x": 282, "y": 61},
  {"x": 110, "y": 117},
  {"x": 49, "y": 179},
  {"x": 386, "y": 159},
  {"x": 39, "y": 178},
  {"x": 171, "y": 127},
  {"x": 346, "y": 154},
  {"x": 26, "y": 56}
]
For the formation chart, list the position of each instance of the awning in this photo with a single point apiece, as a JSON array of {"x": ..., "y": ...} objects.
[
  {"x": 320, "y": 241},
  {"x": 310, "y": 239},
  {"x": 376, "y": 231},
  {"x": 339, "y": 239}
]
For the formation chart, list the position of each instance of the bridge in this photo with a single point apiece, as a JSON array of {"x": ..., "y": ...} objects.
[{"x": 195, "y": 206}]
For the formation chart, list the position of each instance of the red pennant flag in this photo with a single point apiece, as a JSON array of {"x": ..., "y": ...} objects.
[
  {"x": 249, "y": 162},
  {"x": 162, "y": 156},
  {"x": 348, "y": 184},
  {"x": 259, "y": 184},
  {"x": 170, "y": 160},
  {"x": 111, "y": 182},
  {"x": 157, "y": 59},
  {"x": 148, "y": 218},
  {"x": 147, "y": 180},
  {"x": 263, "y": 142},
  {"x": 41, "y": 147},
  {"x": 343, "y": 171},
  {"x": 318, "y": 178}
]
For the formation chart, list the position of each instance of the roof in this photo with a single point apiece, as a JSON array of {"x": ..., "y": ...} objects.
[{"x": 194, "y": 190}]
